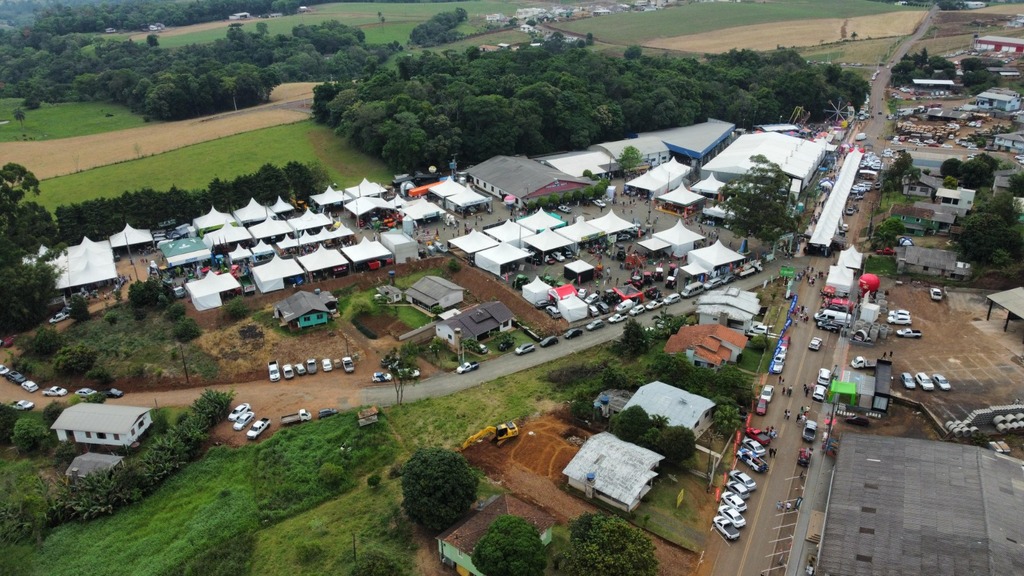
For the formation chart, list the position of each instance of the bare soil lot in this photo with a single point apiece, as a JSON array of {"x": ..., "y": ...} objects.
[{"x": 795, "y": 33}]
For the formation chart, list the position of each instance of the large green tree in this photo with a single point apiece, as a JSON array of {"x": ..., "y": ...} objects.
[
  {"x": 634, "y": 341},
  {"x": 759, "y": 202},
  {"x": 601, "y": 545},
  {"x": 511, "y": 547},
  {"x": 438, "y": 487},
  {"x": 987, "y": 239},
  {"x": 629, "y": 159},
  {"x": 887, "y": 232},
  {"x": 676, "y": 443},
  {"x": 631, "y": 424}
]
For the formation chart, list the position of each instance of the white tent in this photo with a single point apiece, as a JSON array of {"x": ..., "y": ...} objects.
[
  {"x": 540, "y": 221},
  {"x": 402, "y": 246},
  {"x": 262, "y": 248},
  {"x": 184, "y": 251},
  {"x": 708, "y": 187},
  {"x": 281, "y": 207},
  {"x": 851, "y": 258},
  {"x": 580, "y": 231},
  {"x": 799, "y": 158},
  {"x": 572, "y": 309},
  {"x": 717, "y": 212},
  {"x": 473, "y": 242},
  {"x": 361, "y": 206},
  {"x": 130, "y": 237},
  {"x": 227, "y": 235},
  {"x": 328, "y": 198},
  {"x": 421, "y": 210},
  {"x": 447, "y": 189},
  {"x": 211, "y": 220},
  {"x": 365, "y": 188},
  {"x": 270, "y": 276},
  {"x": 466, "y": 199},
  {"x": 711, "y": 258},
  {"x": 339, "y": 230},
  {"x": 681, "y": 197},
  {"x": 831, "y": 217},
  {"x": 288, "y": 243},
  {"x": 509, "y": 232},
  {"x": 252, "y": 213},
  {"x": 654, "y": 244},
  {"x": 840, "y": 278},
  {"x": 309, "y": 220},
  {"x": 679, "y": 237},
  {"x": 610, "y": 223},
  {"x": 322, "y": 259},
  {"x": 206, "y": 293},
  {"x": 239, "y": 254},
  {"x": 270, "y": 228},
  {"x": 85, "y": 263},
  {"x": 366, "y": 251},
  {"x": 536, "y": 290},
  {"x": 547, "y": 241},
  {"x": 320, "y": 237},
  {"x": 501, "y": 256},
  {"x": 661, "y": 179}
]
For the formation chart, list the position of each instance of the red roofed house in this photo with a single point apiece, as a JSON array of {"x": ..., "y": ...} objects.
[
  {"x": 707, "y": 345},
  {"x": 456, "y": 544}
]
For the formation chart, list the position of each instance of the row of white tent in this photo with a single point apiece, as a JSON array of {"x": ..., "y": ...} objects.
[{"x": 831, "y": 218}]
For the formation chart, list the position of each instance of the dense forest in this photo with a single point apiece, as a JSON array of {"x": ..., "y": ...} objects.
[{"x": 559, "y": 96}]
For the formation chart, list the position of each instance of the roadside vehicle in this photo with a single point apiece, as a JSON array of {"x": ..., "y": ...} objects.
[
  {"x": 274, "y": 371},
  {"x": 23, "y": 405},
  {"x": 672, "y": 298},
  {"x": 713, "y": 283},
  {"x": 757, "y": 329},
  {"x": 819, "y": 393},
  {"x": 810, "y": 431},
  {"x": 909, "y": 333},
  {"x": 379, "y": 377},
  {"x": 616, "y": 318},
  {"x": 754, "y": 446},
  {"x": 59, "y": 317},
  {"x": 738, "y": 488},
  {"x": 348, "y": 365},
  {"x": 762, "y": 407},
  {"x": 778, "y": 364},
  {"x": 899, "y": 318},
  {"x": 935, "y": 294},
  {"x": 311, "y": 366},
  {"x": 112, "y": 392},
  {"x": 760, "y": 435},
  {"x": 525, "y": 349},
  {"x": 908, "y": 381},
  {"x": 300, "y": 369},
  {"x": 815, "y": 344},
  {"x": 506, "y": 345},
  {"x": 296, "y": 418},
  {"x": 691, "y": 290},
  {"x": 924, "y": 381},
  {"x": 756, "y": 463},
  {"x": 602, "y": 307},
  {"x": 29, "y": 386},
  {"x": 4, "y": 370},
  {"x": 258, "y": 428},
  {"x": 724, "y": 527},
  {"x": 743, "y": 478},
  {"x": 862, "y": 363},
  {"x": 553, "y": 312},
  {"x": 637, "y": 310},
  {"x": 15, "y": 377},
  {"x": 941, "y": 382},
  {"x": 599, "y": 203},
  {"x": 326, "y": 365},
  {"x": 238, "y": 411},
  {"x": 595, "y": 325},
  {"x": 85, "y": 392},
  {"x": 564, "y": 209},
  {"x": 625, "y": 305},
  {"x": 591, "y": 298},
  {"x": 467, "y": 367},
  {"x": 767, "y": 392},
  {"x": 243, "y": 420},
  {"x": 731, "y": 499},
  {"x": 858, "y": 420},
  {"x": 654, "y": 305},
  {"x": 733, "y": 515},
  {"x": 288, "y": 371},
  {"x": 326, "y": 413},
  {"x": 803, "y": 457},
  {"x": 572, "y": 333},
  {"x": 549, "y": 341},
  {"x": 55, "y": 391},
  {"x": 824, "y": 376}
]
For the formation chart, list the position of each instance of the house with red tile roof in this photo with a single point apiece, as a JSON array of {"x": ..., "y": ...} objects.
[{"x": 707, "y": 345}]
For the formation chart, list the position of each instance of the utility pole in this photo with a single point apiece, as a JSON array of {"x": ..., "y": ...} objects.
[{"x": 184, "y": 364}]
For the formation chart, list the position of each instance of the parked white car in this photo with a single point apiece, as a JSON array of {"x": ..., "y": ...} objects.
[
  {"x": 238, "y": 411},
  {"x": 733, "y": 515},
  {"x": 243, "y": 420},
  {"x": 55, "y": 391}
]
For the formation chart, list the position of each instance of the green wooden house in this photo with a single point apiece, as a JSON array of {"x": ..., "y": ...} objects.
[
  {"x": 304, "y": 309},
  {"x": 455, "y": 545},
  {"x": 921, "y": 221}
]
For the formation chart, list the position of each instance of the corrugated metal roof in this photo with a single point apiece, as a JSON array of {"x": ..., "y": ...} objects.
[
  {"x": 682, "y": 408},
  {"x": 621, "y": 470},
  {"x": 106, "y": 418}
]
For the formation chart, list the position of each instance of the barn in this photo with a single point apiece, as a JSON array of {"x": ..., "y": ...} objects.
[{"x": 999, "y": 44}]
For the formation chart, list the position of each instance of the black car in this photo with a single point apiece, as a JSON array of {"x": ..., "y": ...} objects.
[
  {"x": 572, "y": 333},
  {"x": 549, "y": 341},
  {"x": 326, "y": 413},
  {"x": 830, "y": 326},
  {"x": 15, "y": 377},
  {"x": 111, "y": 392},
  {"x": 602, "y": 307},
  {"x": 506, "y": 345},
  {"x": 858, "y": 421}
]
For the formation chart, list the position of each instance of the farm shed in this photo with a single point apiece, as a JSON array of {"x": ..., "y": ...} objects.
[
  {"x": 501, "y": 259},
  {"x": 368, "y": 254},
  {"x": 205, "y": 293},
  {"x": 679, "y": 407},
  {"x": 90, "y": 462},
  {"x": 729, "y": 307},
  {"x": 102, "y": 424},
  {"x": 617, "y": 472},
  {"x": 252, "y": 213},
  {"x": 431, "y": 291},
  {"x": 399, "y": 244},
  {"x": 473, "y": 242},
  {"x": 579, "y": 272},
  {"x": 130, "y": 237},
  {"x": 271, "y": 276}
]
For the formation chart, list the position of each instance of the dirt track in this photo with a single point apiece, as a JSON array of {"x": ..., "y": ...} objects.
[{"x": 50, "y": 158}]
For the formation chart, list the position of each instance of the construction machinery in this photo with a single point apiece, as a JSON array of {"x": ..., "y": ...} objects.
[{"x": 500, "y": 433}]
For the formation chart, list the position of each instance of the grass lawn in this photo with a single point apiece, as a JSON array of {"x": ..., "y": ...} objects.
[
  {"x": 866, "y": 52},
  {"x": 880, "y": 265},
  {"x": 411, "y": 316},
  {"x": 684, "y": 525},
  {"x": 635, "y": 27},
  {"x": 225, "y": 158},
  {"x": 53, "y": 121},
  {"x": 754, "y": 361}
]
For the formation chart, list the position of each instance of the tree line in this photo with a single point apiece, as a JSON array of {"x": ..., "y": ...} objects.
[
  {"x": 440, "y": 29},
  {"x": 473, "y": 105}
]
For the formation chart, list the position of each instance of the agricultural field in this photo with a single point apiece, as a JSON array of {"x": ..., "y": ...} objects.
[
  {"x": 67, "y": 120},
  {"x": 642, "y": 27},
  {"x": 867, "y": 52}
]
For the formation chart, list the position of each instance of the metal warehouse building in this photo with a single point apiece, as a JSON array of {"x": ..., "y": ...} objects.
[{"x": 999, "y": 44}]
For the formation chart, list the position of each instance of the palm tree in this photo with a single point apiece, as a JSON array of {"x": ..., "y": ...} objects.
[{"x": 19, "y": 115}]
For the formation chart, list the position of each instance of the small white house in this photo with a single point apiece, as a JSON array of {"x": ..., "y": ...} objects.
[
  {"x": 102, "y": 424},
  {"x": 616, "y": 472},
  {"x": 680, "y": 407}
]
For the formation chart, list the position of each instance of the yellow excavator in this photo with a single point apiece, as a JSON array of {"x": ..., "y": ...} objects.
[{"x": 501, "y": 433}]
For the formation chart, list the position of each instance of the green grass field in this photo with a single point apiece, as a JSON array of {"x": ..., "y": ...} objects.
[
  {"x": 635, "y": 27},
  {"x": 867, "y": 52},
  {"x": 225, "y": 158},
  {"x": 53, "y": 121}
]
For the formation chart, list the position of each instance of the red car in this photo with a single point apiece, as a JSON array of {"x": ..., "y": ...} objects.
[
  {"x": 762, "y": 407},
  {"x": 886, "y": 252},
  {"x": 757, "y": 434}
]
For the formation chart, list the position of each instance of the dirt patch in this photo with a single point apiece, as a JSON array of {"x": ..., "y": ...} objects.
[
  {"x": 955, "y": 23},
  {"x": 793, "y": 33},
  {"x": 288, "y": 103}
]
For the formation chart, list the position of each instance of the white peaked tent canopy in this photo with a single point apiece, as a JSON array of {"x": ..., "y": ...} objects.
[
  {"x": 580, "y": 231},
  {"x": 711, "y": 257},
  {"x": 130, "y": 237},
  {"x": 212, "y": 220},
  {"x": 328, "y": 197},
  {"x": 288, "y": 243},
  {"x": 226, "y": 235},
  {"x": 573, "y": 309},
  {"x": 421, "y": 210},
  {"x": 503, "y": 254},
  {"x": 466, "y": 199},
  {"x": 840, "y": 278},
  {"x": 252, "y": 213},
  {"x": 679, "y": 237},
  {"x": 339, "y": 230},
  {"x": 309, "y": 220},
  {"x": 654, "y": 244},
  {"x": 322, "y": 259},
  {"x": 262, "y": 248},
  {"x": 540, "y": 221},
  {"x": 281, "y": 207},
  {"x": 184, "y": 251},
  {"x": 366, "y": 251},
  {"x": 536, "y": 290},
  {"x": 708, "y": 186},
  {"x": 509, "y": 232},
  {"x": 717, "y": 212},
  {"x": 361, "y": 206},
  {"x": 448, "y": 188},
  {"x": 851, "y": 258},
  {"x": 206, "y": 293},
  {"x": 365, "y": 188},
  {"x": 610, "y": 223},
  {"x": 269, "y": 229},
  {"x": 831, "y": 216},
  {"x": 473, "y": 242},
  {"x": 85, "y": 263},
  {"x": 547, "y": 240},
  {"x": 270, "y": 276},
  {"x": 239, "y": 254},
  {"x": 681, "y": 197},
  {"x": 662, "y": 178}
]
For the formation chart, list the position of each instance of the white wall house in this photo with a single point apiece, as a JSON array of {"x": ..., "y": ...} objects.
[{"x": 102, "y": 424}]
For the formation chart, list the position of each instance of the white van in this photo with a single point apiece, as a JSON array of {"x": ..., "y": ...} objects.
[
  {"x": 691, "y": 290},
  {"x": 833, "y": 316},
  {"x": 625, "y": 305}
]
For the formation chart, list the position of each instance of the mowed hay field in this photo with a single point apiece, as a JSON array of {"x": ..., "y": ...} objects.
[
  {"x": 47, "y": 159},
  {"x": 795, "y": 33}
]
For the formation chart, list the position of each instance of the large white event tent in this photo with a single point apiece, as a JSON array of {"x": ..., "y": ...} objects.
[
  {"x": 447, "y": 188},
  {"x": 329, "y": 197},
  {"x": 212, "y": 220},
  {"x": 547, "y": 241},
  {"x": 831, "y": 216},
  {"x": 365, "y": 188},
  {"x": 252, "y": 213},
  {"x": 281, "y": 207},
  {"x": 288, "y": 243},
  {"x": 509, "y": 232},
  {"x": 270, "y": 228},
  {"x": 681, "y": 197},
  {"x": 710, "y": 258},
  {"x": 365, "y": 205},
  {"x": 206, "y": 293},
  {"x": 573, "y": 309},
  {"x": 840, "y": 278},
  {"x": 240, "y": 253},
  {"x": 473, "y": 242},
  {"x": 130, "y": 237},
  {"x": 679, "y": 238},
  {"x": 322, "y": 259},
  {"x": 494, "y": 260},
  {"x": 85, "y": 263},
  {"x": 851, "y": 258},
  {"x": 366, "y": 251},
  {"x": 421, "y": 210},
  {"x": 270, "y": 276},
  {"x": 610, "y": 223},
  {"x": 581, "y": 231},
  {"x": 797, "y": 157},
  {"x": 661, "y": 178},
  {"x": 226, "y": 235},
  {"x": 184, "y": 251},
  {"x": 466, "y": 199},
  {"x": 309, "y": 220},
  {"x": 540, "y": 221},
  {"x": 708, "y": 187},
  {"x": 536, "y": 290}
]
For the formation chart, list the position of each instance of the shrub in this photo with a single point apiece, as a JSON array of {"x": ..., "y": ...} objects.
[
  {"x": 139, "y": 314},
  {"x": 236, "y": 308},
  {"x": 63, "y": 455},
  {"x": 79, "y": 309},
  {"x": 373, "y": 481},
  {"x": 454, "y": 266},
  {"x": 110, "y": 318},
  {"x": 52, "y": 411},
  {"x": 100, "y": 374},
  {"x": 47, "y": 341},
  {"x": 331, "y": 475},
  {"x": 29, "y": 434},
  {"x": 95, "y": 398},
  {"x": 308, "y": 552},
  {"x": 175, "y": 312},
  {"x": 77, "y": 359},
  {"x": 187, "y": 329}
]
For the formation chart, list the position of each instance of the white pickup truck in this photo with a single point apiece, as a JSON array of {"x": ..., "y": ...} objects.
[{"x": 274, "y": 370}]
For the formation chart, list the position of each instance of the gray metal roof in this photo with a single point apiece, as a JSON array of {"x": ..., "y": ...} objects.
[
  {"x": 480, "y": 319},
  {"x": 739, "y": 304},
  {"x": 519, "y": 176},
  {"x": 1012, "y": 300},
  {"x": 431, "y": 289},
  {"x": 621, "y": 470},
  {"x": 680, "y": 407},
  {"x": 106, "y": 418},
  {"x": 301, "y": 303},
  {"x": 930, "y": 257},
  {"x": 90, "y": 462},
  {"x": 908, "y": 506}
]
